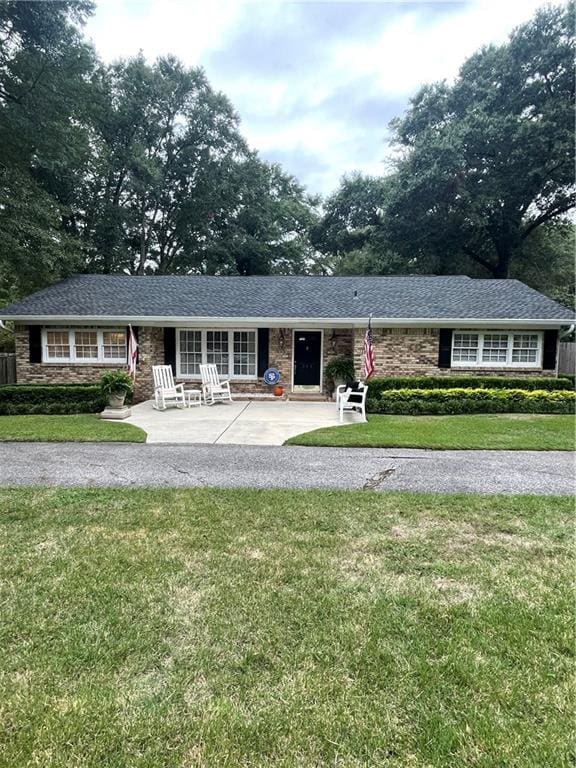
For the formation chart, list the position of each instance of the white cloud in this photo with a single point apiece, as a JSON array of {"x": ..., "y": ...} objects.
[
  {"x": 186, "y": 28},
  {"x": 284, "y": 110}
]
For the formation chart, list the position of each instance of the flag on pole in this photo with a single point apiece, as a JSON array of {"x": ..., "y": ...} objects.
[
  {"x": 368, "y": 367},
  {"x": 132, "y": 352}
]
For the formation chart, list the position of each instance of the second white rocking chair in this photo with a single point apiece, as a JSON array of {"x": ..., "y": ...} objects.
[{"x": 213, "y": 387}]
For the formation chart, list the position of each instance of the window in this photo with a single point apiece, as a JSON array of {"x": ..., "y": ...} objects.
[
  {"x": 465, "y": 347},
  {"x": 114, "y": 345},
  {"x": 525, "y": 348},
  {"x": 495, "y": 348},
  {"x": 217, "y": 350},
  {"x": 233, "y": 352},
  {"x": 83, "y": 345},
  {"x": 86, "y": 344},
  {"x": 190, "y": 353},
  {"x": 488, "y": 349},
  {"x": 57, "y": 345},
  {"x": 244, "y": 353}
]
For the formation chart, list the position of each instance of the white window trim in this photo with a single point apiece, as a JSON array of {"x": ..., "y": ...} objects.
[
  {"x": 493, "y": 364},
  {"x": 230, "y": 331},
  {"x": 100, "y": 359}
]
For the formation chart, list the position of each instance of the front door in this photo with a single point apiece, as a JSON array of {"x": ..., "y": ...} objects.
[{"x": 307, "y": 360}]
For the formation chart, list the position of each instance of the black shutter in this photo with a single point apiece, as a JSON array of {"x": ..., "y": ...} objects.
[
  {"x": 263, "y": 344},
  {"x": 445, "y": 348},
  {"x": 549, "y": 354},
  {"x": 170, "y": 348},
  {"x": 35, "y": 343}
]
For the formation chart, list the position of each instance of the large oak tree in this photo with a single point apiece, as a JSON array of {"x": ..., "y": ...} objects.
[{"x": 488, "y": 160}]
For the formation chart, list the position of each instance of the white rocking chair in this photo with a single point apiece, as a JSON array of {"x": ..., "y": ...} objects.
[
  {"x": 165, "y": 391},
  {"x": 213, "y": 387},
  {"x": 352, "y": 399}
]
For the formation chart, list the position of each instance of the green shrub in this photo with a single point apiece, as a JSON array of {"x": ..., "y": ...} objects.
[
  {"x": 376, "y": 386},
  {"x": 116, "y": 383},
  {"x": 340, "y": 368},
  {"x": 452, "y": 401},
  {"x": 18, "y": 399}
]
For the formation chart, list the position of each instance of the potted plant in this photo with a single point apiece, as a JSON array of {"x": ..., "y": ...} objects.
[
  {"x": 115, "y": 385},
  {"x": 339, "y": 371}
]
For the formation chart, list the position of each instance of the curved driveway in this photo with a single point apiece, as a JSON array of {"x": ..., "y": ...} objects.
[{"x": 236, "y": 466}]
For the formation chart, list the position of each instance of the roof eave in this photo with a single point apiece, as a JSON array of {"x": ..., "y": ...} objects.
[{"x": 282, "y": 322}]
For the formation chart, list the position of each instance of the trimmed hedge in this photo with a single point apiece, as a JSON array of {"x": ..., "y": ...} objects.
[
  {"x": 19, "y": 399},
  {"x": 376, "y": 386},
  {"x": 454, "y": 401}
]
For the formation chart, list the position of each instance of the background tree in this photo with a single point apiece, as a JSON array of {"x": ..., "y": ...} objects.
[
  {"x": 44, "y": 69},
  {"x": 163, "y": 144},
  {"x": 264, "y": 228},
  {"x": 489, "y": 160},
  {"x": 351, "y": 234}
]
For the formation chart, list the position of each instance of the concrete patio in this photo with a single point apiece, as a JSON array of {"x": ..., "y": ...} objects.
[{"x": 240, "y": 423}]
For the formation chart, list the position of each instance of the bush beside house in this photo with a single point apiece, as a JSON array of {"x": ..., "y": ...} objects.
[
  {"x": 480, "y": 400},
  {"x": 378, "y": 385},
  {"x": 22, "y": 399}
]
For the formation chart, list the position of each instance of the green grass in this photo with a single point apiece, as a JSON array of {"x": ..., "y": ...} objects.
[
  {"x": 284, "y": 628},
  {"x": 527, "y": 432},
  {"x": 85, "y": 427}
]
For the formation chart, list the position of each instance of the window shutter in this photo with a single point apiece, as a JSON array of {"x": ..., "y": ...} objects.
[
  {"x": 263, "y": 345},
  {"x": 170, "y": 348},
  {"x": 549, "y": 351},
  {"x": 445, "y": 348},
  {"x": 35, "y": 343}
]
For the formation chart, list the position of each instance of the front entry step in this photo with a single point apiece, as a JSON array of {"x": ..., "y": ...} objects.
[{"x": 316, "y": 397}]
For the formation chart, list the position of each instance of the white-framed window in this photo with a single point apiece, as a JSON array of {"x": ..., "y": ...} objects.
[
  {"x": 496, "y": 349},
  {"x": 234, "y": 352},
  {"x": 190, "y": 356},
  {"x": 465, "y": 347},
  {"x": 84, "y": 345}
]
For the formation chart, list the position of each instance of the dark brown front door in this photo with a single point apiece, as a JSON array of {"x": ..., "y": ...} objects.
[{"x": 307, "y": 358}]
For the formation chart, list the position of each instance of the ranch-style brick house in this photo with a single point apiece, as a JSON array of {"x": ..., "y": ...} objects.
[{"x": 422, "y": 325}]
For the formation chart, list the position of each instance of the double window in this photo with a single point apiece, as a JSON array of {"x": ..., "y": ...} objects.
[
  {"x": 492, "y": 349},
  {"x": 83, "y": 345},
  {"x": 233, "y": 352}
]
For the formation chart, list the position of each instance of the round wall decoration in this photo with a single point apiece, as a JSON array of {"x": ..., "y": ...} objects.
[{"x": 271, "y": 376}]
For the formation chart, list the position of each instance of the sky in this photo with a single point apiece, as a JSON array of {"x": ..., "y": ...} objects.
[{"x": 315, "y": 83}]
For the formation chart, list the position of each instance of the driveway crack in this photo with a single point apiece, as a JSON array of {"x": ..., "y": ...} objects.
[{"x": 374, "y": 481}]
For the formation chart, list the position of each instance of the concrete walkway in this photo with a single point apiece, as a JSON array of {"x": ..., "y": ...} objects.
[
  {"x": 238, "y": 422},
  {"x": 236, "y": 466}
]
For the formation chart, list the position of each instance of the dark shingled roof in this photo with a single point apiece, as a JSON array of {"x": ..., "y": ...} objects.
[{"x": 394, "y": 298}]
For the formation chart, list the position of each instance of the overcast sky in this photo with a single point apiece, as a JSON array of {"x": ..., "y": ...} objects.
[{"x": 315, "y": 83}]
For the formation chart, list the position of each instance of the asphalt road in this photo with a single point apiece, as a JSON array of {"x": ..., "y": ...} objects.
[{"x": 238, "y": 466}]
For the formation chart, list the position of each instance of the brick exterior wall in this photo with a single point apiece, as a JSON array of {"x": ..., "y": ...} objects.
[
  {"x": 397, "y": 352},
  {"x": 150, "y": 352},
  {"x": 414, "y": 352}
]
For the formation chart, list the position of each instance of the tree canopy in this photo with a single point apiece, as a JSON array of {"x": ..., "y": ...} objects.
[
  {"x": 142, "y": 168},
  {"x": 130, "y": 167},
  {"x": 489, "y": 159}
]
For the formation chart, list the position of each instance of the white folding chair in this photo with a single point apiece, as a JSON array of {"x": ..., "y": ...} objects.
[{"x": 165, "y": 391}]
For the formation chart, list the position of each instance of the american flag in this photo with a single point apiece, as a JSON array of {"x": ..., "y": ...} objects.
[
  {"x": 368, "y": 352},
  {"x": 132, "y": 352}
]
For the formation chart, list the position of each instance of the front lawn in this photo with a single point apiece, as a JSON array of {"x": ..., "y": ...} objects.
[
  {"x": 85, "y": 428},
  {"x": 519, "y": 432},
  {"x": 217, "y": 628}
]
